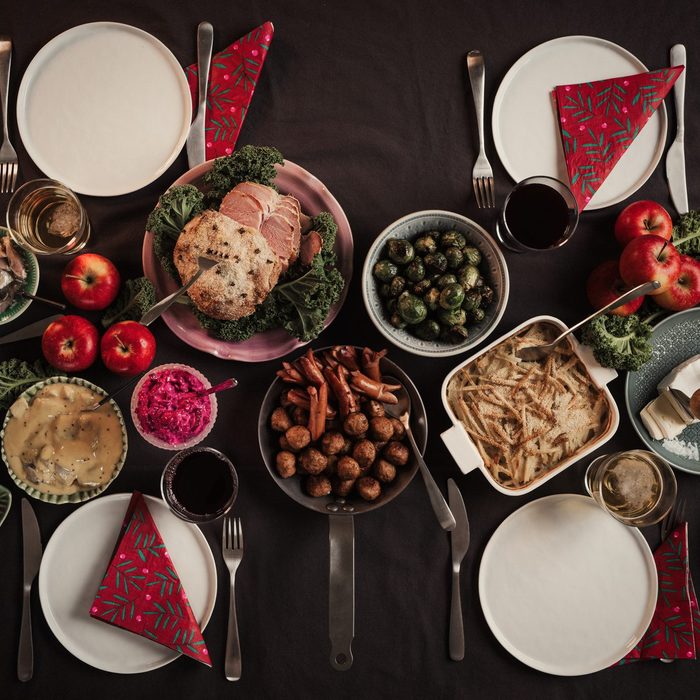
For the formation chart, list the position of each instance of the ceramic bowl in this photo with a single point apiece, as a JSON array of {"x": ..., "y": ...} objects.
[
  {"x": 80, "y": 496},
  {"x": 21, "y": 304},
  {"x": 493, "y": 264}
]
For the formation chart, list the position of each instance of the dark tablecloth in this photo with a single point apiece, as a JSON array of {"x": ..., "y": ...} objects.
[{"x": 372, "y": 98}]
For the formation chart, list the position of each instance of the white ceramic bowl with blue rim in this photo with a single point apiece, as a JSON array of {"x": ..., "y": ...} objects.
[
  {"x": 21, "y": 303},
  {"x": 493, "y": 265},
  {"x": 79, "y": 496}
]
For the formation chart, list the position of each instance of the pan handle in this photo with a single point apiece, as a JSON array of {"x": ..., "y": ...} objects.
[{"x": 341, "y": 592}]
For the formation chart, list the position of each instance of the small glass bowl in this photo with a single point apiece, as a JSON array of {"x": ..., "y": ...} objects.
[{"x": 152, "y": 439}]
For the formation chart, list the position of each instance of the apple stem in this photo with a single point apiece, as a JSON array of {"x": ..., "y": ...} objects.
[
  {"x": 73, "y": 277},
  {"x": 661, "y": 252}
]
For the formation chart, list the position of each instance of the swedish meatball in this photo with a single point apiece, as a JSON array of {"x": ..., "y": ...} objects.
[
  {"x": 332, "y": 443},
  {"x": 312, "y": 461},
  {"x": 356, "y": 424},
  {"x": 369, "y": 488},
  {"x": 396, "y": 453},
  {"x": 399, "y": 430},
  {"x": 384, "y": 471},
  {"x": 286, "y": 464},
  {"x": 280, "y": 420},
  {"x": 332, "y": 464},
  {"x": 373, "y": 408},
  {"x": 342, "y": 487},
  {"x": 380, "y": 428},
  {"x": 318, "y": 486},
  {"x": 300, "y": 416},
  {"x": 347, "y": 468},
  {"x": 347, "y": 446},
  {"x": 364, "y": 453},
  {"x": 298, "y": 437}
]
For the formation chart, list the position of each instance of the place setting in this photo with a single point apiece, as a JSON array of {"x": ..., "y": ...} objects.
[{"x": 248, "y": 257}]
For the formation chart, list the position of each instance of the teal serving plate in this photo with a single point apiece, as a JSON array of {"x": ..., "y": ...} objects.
[
  {"x": 675, "y": 339},
  {"x": 21, "y": 303},
  {"x": 5, "y": 503}
]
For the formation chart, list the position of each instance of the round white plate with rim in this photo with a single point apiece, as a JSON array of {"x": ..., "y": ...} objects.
[
  {"x": 565, "y": 587},
  {"x": 525, "y": 126},
  {"x": 72, "y": 568},
  {"x": 104, "y": 108}
]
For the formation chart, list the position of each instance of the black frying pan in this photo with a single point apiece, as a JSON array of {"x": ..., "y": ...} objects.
[{"x": 340, "y": 511}]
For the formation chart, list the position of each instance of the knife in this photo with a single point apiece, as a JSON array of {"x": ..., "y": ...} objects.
[
  {"x": 675, "y": 158},
  {"x": 33, "y": 330},
  {"x": 196, "y": 151},
  {"x": 31, "y": 549},
  {"x": 459, "y": 538}
]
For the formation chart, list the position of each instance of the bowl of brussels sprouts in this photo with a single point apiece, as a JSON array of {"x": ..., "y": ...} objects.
[{"x": 435, "y": 283}]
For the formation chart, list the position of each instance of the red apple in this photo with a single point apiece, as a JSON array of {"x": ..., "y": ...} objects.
[
  {"x": 70, "y": 344},
  {"x": 685, "y": 291},
  {"x": 90, "y": 281},
  {"x": 640, "y": 219},
  {"x": 605, "y": 285},
  {"x": 127, "y": 348},
  {"x": 650, "y": 258}
]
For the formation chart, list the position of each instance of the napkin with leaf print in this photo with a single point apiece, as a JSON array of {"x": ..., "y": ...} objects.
[{"x": 141, "y": 591}]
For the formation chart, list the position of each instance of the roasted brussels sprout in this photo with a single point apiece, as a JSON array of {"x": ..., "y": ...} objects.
[
  {"x": 432, "y": 298},
  {"x": 396, "y": 286},
  {"x": 457, "y": 334},
  {"x": 452, "y": 238},
  {"x": 425, "y": 244},
  {"x": 415, "y": 271},
  {"x": 428, "y": 329},
  {"x": 477, "y": 315},
  {"x": 454, "y": 256},
  {"x": 486, "y": 295},
  {"x": 467, "y": 276},
  {"x": 480, "y": 282},
  {"x": 391, "y": 304},
  {"x": 452, "y": 317},
  {"x": 444, "y": 280},
  {"x": 472, "y": 300},
  {"x": 400, "y": 251},
  {"x": 385, "y": 291},
  {"x": 397, "y": 321},
  {"x": 412, "y": 308},
  {"x": 420, "y": 288},
  {"x": 472, "y": 255},
  {"x": 436, "y": 262},
  {"x": 385, "y": 270},
  {"x": 452, "y": 296}
]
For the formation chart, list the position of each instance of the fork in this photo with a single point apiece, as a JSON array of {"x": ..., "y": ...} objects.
[
  {"x": 482, "y": 174},
  {"x": 8, "y": 155},
  {"x": 232, "y": 548},
  {"x": 673, "y": 519}
]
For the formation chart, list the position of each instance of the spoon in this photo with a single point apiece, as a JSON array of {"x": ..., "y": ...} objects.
[
  {"x": 539, "y": 352},
  {"x": 164, "y": 304},
  {"x": 230, "y": 383},
  {"x": 402, "y": 411},
  {"x": 43, "y": 300}
]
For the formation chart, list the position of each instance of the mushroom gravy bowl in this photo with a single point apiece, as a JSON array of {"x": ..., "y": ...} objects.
[{"x": 522, "y": 423}]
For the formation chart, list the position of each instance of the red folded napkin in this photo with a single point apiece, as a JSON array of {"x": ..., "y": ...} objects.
[
  {"x": 141, "y": 591},
  {"x": 598, "y": 121},
  {"x": 674, "y": 632},
  {"x": 233, "y": 76}
]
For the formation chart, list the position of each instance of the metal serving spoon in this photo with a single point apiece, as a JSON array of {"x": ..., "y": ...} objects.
[
  {"x": 402, "y": 411},
  {"x": 539, "y": 352}
]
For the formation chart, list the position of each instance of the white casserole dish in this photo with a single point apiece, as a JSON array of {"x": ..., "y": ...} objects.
[{"x": 464, "y": 451}]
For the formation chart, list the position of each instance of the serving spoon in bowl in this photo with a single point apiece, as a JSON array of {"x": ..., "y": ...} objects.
[
  {"x": 402, "y": 411},
  {"x": 533, "y": 353}
]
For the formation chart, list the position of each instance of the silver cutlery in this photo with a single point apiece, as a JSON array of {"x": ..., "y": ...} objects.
[
  {"x": 459, "y": 540},
  {"x": 196, "y": 151},
  {"x": 402, "y": 411},
  {"x": 673, "y": 519},
  {"x": 31, "y": 330},
  {"x": 675, "y": 158},
  {"x": 539, "y": 352},
  {"x": 44, "y": 300},
  {"x": 31, "y": 551},
  {"x": 8, "y": 155},
  {"x": 232, "y": 548},
  {"x": 112, "y": 394},
  {"x": 482, "y": 174},
  {"x": 164, "y": 304}
]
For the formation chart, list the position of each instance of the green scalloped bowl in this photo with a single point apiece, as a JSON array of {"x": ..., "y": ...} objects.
[
  {"x": 5, "y": 503},
  {"x": 21, "y": 304},
  {"x": 80, "y": 496}
]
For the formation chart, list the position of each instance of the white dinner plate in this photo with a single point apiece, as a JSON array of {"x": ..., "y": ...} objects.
[
  {"x": 565, "y": 587},
  {"x": 525, "y": 125},
  {"x": 104, "y": 108},
  {"x": 74, "y": 564}
]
